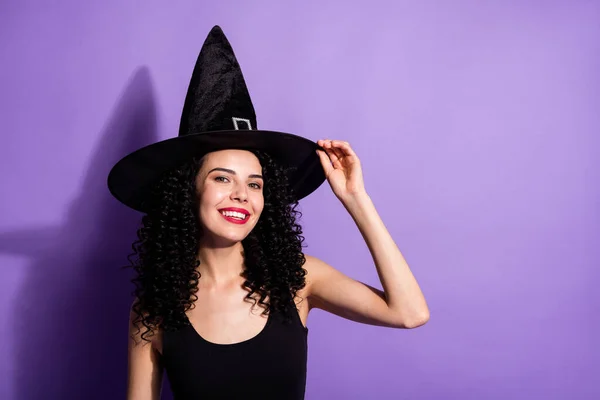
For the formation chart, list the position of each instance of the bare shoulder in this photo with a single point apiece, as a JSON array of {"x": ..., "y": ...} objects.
[
  {"x": 303, "y": 303},
  {"x": 144, "y": 361},
  {"x": 317, "y": 272},
  {"x": 322, "y": 283},
  {"x": 315, "y": 268},
  {"x": 141, "y": 335}
]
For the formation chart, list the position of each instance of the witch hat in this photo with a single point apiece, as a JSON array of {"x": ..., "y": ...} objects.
[{"x": 217, "y": 114}]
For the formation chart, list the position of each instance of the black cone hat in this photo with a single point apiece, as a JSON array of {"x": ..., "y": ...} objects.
[{"x": 217, "y": 114}]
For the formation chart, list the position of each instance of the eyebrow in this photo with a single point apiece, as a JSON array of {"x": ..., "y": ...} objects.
[{"x": 232, "y": 172}]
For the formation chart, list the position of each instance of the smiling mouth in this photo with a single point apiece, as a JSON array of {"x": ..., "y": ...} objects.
[{"x": 235, "y": 217}]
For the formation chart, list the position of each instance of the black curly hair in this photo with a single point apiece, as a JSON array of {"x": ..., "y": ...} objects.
[{"x": 165, "y": 255}]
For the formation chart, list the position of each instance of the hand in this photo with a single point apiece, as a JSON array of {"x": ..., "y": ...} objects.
[{"x": 342, "y": 168}]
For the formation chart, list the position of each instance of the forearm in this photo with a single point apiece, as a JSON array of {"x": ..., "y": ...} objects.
[{"x": 403, "y": 294}]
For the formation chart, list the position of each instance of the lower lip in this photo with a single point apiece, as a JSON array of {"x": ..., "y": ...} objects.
[{"x": 235, "y": 220}]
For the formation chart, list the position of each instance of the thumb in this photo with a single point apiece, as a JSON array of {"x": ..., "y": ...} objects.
[{"x": 325, "y": 162}]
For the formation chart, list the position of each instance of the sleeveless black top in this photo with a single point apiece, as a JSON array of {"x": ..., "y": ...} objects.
[{"x": 271, "y": 365}]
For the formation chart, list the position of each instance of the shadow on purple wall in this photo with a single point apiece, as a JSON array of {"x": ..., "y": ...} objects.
[{"x": 71, "y": 316}]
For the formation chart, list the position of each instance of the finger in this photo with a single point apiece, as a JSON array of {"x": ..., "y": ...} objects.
[
  {"x": 344, "y": 151},
  {"x": 325, "y": 145},
  {"x": 335, "y": 147},
  {"x": 329, "y": 149},
  {"x": 339, "y": 155},
  {"x": 323, "y": 142},
  {"x": 325, "y": 162},
  {"x": 345, "y": 146},
  {"x": 335, "y": 157}
]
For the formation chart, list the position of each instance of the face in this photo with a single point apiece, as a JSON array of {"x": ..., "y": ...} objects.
[{"x": 230, "y": 191}]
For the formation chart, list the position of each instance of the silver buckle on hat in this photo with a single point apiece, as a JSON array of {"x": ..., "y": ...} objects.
[{"x": 236, "y": 120}]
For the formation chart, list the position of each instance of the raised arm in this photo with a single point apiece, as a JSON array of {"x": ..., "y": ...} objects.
[{"x": 401, "y": 304}]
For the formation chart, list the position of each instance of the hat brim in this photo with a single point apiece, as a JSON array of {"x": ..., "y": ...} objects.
[{"x": 131, "y": 178}]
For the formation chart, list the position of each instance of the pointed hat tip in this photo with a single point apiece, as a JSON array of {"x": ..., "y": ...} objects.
[
  {"x": 217, "y": 34},
  {"x": 217, "y": 30}
]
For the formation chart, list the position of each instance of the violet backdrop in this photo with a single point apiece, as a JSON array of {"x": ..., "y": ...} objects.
[{"x": 477, "y": 123}]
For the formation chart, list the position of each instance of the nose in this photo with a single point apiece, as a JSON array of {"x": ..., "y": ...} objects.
[{"x": 239, "y": 193}]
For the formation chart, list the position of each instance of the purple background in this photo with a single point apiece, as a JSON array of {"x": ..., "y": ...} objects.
[{"x": 478, "y": 126}]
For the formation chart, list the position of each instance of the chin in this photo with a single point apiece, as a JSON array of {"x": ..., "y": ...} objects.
[
  {"x": 233, "y": 234},
  {"x": 233, "y": 237}
]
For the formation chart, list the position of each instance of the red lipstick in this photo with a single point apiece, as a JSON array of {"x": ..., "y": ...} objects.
[{"x": 235, "y": 219}]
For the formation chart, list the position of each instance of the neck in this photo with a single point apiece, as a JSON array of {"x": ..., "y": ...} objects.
[{"x": 220, "y": 265}]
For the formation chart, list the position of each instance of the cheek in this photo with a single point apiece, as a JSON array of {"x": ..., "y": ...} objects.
[
  {"x": 210, "y": 200},
  {"x": 212, "y": 196},
  {"x": 258, "y": 205}
]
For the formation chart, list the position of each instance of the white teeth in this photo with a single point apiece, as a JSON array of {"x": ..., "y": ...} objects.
[{"x": 233, "y": 214}]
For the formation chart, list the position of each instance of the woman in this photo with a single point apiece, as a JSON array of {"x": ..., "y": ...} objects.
[{"x": 223, "y": 289}]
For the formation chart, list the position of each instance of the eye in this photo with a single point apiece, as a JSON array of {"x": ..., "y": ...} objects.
[
  {"x": 221, "y": 179},
  {"x": 256, "y": 185}
]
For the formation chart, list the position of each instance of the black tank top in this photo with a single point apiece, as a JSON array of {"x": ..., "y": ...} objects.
[{"x": 271, "y": 365}]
